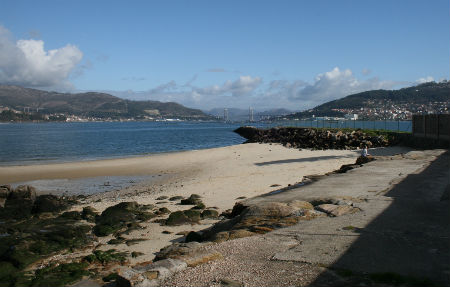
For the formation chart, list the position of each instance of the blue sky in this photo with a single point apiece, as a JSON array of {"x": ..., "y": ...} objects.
[{"x": 205, "y": 54}]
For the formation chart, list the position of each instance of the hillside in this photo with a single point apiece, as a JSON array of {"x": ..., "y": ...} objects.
[
  {"x": 91, "y": 104},
  {"x": 434, "y": 97}
]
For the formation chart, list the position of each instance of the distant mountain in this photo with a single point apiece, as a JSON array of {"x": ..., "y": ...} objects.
[
  {"x": 235, "y": 114},
  {"x": 413, "y": 99},
  {"x": 91, "y": 104}
]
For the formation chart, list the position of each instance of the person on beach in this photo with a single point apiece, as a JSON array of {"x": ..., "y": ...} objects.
[{"x": 365, "y": 152}]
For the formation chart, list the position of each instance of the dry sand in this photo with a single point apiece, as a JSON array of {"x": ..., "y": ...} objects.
[{"x": 221, "y": 176}]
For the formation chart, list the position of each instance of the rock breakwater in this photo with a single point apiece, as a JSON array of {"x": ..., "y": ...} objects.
[{"x": 316, "y": 138}]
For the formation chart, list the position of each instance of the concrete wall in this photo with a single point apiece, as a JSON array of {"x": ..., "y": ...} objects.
[{"x": 431, "y": 126}]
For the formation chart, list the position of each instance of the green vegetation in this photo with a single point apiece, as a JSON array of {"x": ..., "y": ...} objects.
[
  {"x": 61, "y": 275},
  {"x": 106, "y": 257},
  {"x": 96, "y": 105}
]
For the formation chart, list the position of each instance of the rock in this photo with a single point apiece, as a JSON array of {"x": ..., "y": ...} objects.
[
  {"x": 183, "y": 217},
  {"x": 194, "y": 199},
  {"x": 89, "y": 214},
  {"x": 301, "y": 204},
  {"x": 230, "y": 283},
  {"x": 199, "y": 206},
  {"x": 239, "y": 233},
  {"x": 337, "y": 210},
  {"x": 149, "y": 274},
  {"x": 162, "y": 210},
  {"x": 177, "y": 250},
  {"x": 210, "y": 213},
  {"x": 49, "y": 203},
  {"x": 193, "y": 236},
  {"x": 5, "y": 190},
  {"x": 74, "y": 215},
  {"x": 364, "y": 159},
  {"x": 201, "y": 258},
  {"x": 176, "y": 198},
  {"x": 119, "y": 217},
  {"x": 162, "y": 197},
  {"x": 19, "y": 203}
]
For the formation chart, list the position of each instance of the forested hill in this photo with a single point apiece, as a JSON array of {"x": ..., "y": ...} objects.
[
  {"x": 91, "y": 104},
  {"x": 411, "y": 99}
]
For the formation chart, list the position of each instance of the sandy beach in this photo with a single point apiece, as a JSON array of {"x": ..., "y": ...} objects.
[{"x": 221, "y": 176}]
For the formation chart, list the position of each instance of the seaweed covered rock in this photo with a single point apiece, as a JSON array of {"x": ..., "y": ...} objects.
[
  {"x": 210, "y": 213},
  {"x": 194, "y": 199},
  {"x": 26, "y": 241},
  {"x": 49, "y": 203},
  {"x": 183, "y": 217},
  {"x": 19, "y": 203},
  {"x": 117, "y": 218},
  {"x": 89, "y": 213}
]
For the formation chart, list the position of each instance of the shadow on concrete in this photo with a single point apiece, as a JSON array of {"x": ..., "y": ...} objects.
[
  {"x": 410, "y": 238},
  {"x": 304, "y": 159}
]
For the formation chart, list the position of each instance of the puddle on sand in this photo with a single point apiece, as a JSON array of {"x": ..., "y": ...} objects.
[{"x": 85, "y": 186}]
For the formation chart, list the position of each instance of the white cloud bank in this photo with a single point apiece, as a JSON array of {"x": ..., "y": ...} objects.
[
  {"x": 425, "y": 80},
  {"x": 26, "y": 63},
  {"x": 248, "y": 91}
]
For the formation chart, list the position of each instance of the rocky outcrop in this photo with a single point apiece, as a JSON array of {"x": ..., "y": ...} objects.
[{"x": 314, "y": 138}]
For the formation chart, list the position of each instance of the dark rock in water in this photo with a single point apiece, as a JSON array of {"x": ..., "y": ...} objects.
[
  {"x": 118, "y": 217},
  {"x": 183, "y": 217},
  {"x": 313, "y": 138},
  {"x": 193, "y": 236},
  {"x": 209, "y": 213},
  {"x": 49, "y": 203},
  {"x": 250, "y": 133}
]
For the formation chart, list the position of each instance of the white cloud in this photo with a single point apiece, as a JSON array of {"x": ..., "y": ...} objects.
[
  {"x": 425, "y": 80},
  {"x": 26, "y": 63},
  {"x": 366, "y": 71},
  {"x": 249, "y": 91},
  {"x": 242, "y": 86}
]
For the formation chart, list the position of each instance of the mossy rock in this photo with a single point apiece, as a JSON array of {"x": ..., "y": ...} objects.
[
  {"x": 118, "y": 218},
  {"x": 194, "y": 199},
  {"x": 199, "y": 206},
  {"x": 61, "y": 275},
  {"x": 176, "y": 198},
  {"x": 105, "y": 257},
  {"x": 163, "y": 210},
  {"x": 183, "y": 217},
  {"x": 74, "y": 215},
  {"x": 210, "y": 213},
  {"x": 89, "y": 214},
  {"x": 162, "y": 197},
  {"x": 49, "y": 203}
]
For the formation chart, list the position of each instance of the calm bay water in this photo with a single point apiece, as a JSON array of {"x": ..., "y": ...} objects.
[
  {"x": 33, "y": 143},
  {"x": 25, "y": 143}
]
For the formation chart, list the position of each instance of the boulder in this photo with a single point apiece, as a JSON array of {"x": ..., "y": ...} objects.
[
  {"x": 183, "y": 217},
  {"x": 194, "y": 199},
  {"x": 49, "y": 203},
  {"x": 210, "y": 213},
  {"x": 119, "y": 217},
  {"x": 5, "y": 190},
  {"x": 20, "y": 201},
  {"x": 337, "y": 210}
]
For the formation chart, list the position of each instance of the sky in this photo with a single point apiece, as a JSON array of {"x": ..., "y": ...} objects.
[{"x": 217, "y": 54}]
